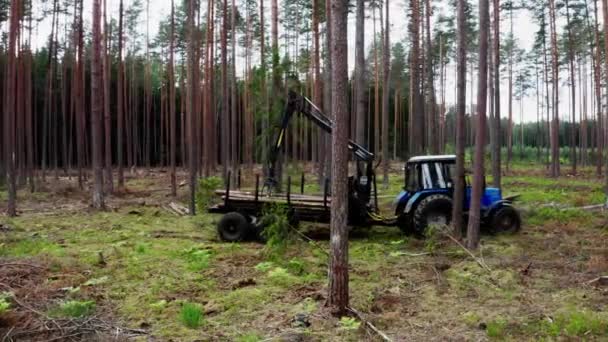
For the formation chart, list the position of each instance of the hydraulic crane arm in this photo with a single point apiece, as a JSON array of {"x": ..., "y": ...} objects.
[{"x": 299, "y": 104}]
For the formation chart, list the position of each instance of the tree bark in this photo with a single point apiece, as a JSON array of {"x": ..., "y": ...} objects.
[
  {"x": 386, "y": 60},
  {"x": 478, "y": 163},
  {"x": 9, "y": 109},
  {"x": 555, "y": 70},
  {"x": 172, "y": 119},
  {"x": 496, "y": 157},
  {"x": 97, "y": 108},
  {"x": 107, "y": 72},
  {"x": 360, "y": 73},
  {"x": 192, "y": 86},
  {"x": 461, "y": 97},
  {"x": 338, "y": 268}
]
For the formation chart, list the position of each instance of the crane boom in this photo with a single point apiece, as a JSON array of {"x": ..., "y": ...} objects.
[{"x": 297, "y": 103}]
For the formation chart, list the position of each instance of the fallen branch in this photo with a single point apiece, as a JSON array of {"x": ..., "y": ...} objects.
[
  {"x": 180, "y": 209},
  {"x": 369, "y": 324},
  {"x": 603, "y": 280},
  {"x": 17, "y": 264},
  {"x": 479, "y": 261}
]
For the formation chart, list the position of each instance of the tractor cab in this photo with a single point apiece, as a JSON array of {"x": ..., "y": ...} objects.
[{"x": 427, "y": 196}]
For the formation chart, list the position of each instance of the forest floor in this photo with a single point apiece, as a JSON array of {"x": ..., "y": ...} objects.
[{"x": 141, "y": 271}]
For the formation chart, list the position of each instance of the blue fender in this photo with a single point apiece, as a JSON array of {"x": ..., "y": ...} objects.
[{"x": 413, "y": 201}]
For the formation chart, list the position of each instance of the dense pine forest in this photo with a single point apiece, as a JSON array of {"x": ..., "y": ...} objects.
[{"x": 126, "y": 124}]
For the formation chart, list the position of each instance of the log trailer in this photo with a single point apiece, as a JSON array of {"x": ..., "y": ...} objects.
[{"x": 425, "y": 200}]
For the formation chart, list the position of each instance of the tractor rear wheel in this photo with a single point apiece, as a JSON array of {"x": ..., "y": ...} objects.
[
  {"x": 433, "y": 210},
  {"x": 505, "y": 220},
  {"x": 233, "y": 227}
]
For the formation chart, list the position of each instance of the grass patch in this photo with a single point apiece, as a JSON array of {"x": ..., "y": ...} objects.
[
  {"x": 539, "y": 216},
  {"x": 191, "y": 315},
  {"x": 30, "y": 246},
  {"x": 198, "y": 259},
  {"x": 496, "y": 328},
  {"x": 74, "y": 309},
  {"x": 249, "y": 337}
]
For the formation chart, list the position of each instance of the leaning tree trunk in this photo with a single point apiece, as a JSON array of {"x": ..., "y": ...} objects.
[
  {"x": 478, "y": 163},
  {"x": 338, "y": 267}
]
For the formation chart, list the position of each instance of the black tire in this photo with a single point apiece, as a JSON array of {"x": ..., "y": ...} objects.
[
  {"x": 506, "y": 219},
  {"x": 435, "y": 209},
  {"x": 233, "y": 227}
]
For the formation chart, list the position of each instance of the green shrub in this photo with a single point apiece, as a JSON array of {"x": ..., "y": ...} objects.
[
  {"x": 191, "y": 315},
  {"x": 206, "y": 192},
  {"x": 74, "y": 309},
  {"x": 277, "y": 231}
]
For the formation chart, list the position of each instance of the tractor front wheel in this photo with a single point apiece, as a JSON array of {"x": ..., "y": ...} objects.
[
  {"x": 433, "y": 210},
  {"x": 505, "y": 220}
]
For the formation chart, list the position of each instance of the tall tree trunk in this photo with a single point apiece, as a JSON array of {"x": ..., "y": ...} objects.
[
  {"x": 417, "y": 111},
  {"x": 360, "y": 73},
  {"x": 496, "y": 158},
  {"x": 461, "y": 98},
  {"x": 386, "y": 60},
  {"x": 478, "y": 163},
  {"x": 430, "y": 83},
  {"x": 555, "y": 70},
  {"x": 9, "y": 108},
  {"x": 605, "y": 13},
  {"x": 107, "y": 72},
  {"x": 510, "y": 70},
  {"x": 120, "y": 101},
  {"x": 338, "y": 267},
  {"x": 597, "y": 65},
  {"x": 573, "y": 89},
  {"x": 233, "y": 97},
  {"x": 97, "y": 108},
  {"x": 192, "y": 86},
  {"x": 172, "y": 119}
]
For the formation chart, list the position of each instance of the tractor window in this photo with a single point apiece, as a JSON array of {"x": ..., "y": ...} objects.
[
  {"x": 432, "y": 176},
  {"x": 412, "y": 181},
  {"x": 450, "y": 172}
]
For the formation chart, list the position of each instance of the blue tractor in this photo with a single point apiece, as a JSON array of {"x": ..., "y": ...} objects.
[
  {"x": 426, "y": 200},
  {"x": 429, "y": 193}
]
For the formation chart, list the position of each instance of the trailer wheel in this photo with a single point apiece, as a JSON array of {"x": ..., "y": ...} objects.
[
  {"x": 433, "y": 210},
  {"x": 233, "y": 227},
  {"x": 505, "y": 220}
]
